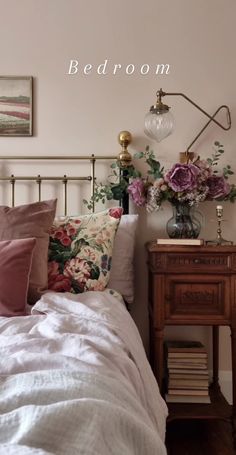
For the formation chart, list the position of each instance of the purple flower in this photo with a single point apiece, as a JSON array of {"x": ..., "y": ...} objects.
[
  {"x": 218, "y": 187},
  {"x": 137, "y": 192},
  {"x": 182, "y": 177}
]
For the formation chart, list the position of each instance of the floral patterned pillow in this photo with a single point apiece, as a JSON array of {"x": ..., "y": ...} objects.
[{"x": 80, "y": 251}]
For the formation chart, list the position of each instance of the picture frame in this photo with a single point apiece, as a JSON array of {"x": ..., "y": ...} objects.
[{"x": 16, "y": 106}]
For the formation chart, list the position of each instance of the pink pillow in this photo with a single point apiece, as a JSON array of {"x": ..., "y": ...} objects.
[
  {"x": 31, "y": 220},
  {"x": 15, "y": 264}
]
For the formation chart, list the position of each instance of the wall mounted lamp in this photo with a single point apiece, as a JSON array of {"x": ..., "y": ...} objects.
[{"x": 159, "y": 121}]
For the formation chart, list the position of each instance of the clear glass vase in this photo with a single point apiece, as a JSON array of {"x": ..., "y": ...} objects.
[{"x": 183, "y": 224}]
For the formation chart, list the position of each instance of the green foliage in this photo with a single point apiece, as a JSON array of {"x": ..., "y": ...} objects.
[
  {"x": 78, "y": 244},
  {"x": 117, "y": 184},
  {"x": 232, "y": 194},
  {"x": 115, "y": 188}
]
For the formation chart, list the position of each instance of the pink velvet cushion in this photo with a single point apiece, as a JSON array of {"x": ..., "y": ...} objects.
[
  {"x": 31, "y": 220},
  {"x": 15, "y": 265}
]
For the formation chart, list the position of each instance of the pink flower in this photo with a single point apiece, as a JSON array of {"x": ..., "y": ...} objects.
[
  {"x": 137, "y": 192},
  {"x": 70, "y": 230},
  {"x": 66, "y": 241},
  {"x": 182, "y": 177},
  {"x": 218, "y": 187},
  {"x": 60, "y": 284},
  {"x": 115, "y": 213},
  {"x": 59, "y": 233},
  {"x": 77, "y": 268}
]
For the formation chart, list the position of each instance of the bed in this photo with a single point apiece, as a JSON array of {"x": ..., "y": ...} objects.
[{"x": 74, "y": 377}]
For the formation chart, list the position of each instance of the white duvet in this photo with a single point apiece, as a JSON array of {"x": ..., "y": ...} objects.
[{"x": 74, "y": 379}]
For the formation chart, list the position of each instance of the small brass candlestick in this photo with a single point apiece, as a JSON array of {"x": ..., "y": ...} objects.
[{"x": 219, "y": 240}]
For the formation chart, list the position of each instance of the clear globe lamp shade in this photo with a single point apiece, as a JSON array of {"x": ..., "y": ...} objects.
[{"x": 158, "y": 126}]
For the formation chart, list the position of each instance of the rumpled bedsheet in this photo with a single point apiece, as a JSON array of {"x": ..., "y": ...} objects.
[{"x": 74, "y": 379}]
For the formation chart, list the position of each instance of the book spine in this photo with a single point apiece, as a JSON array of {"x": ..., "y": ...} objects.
[
  {"x": 188, "y": 384},
  {"x": 188, "y": 392},
  {"x": 187, "y": 360},
  {"x": 187, "y": 355},
  {"x": 189, "y": 377},
  {"x": 190, "y": 366},
  {"x": 188, "y": 371},
  {"x": 187, "y": 399}
]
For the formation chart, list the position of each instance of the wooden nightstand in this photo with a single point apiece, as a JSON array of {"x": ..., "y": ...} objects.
[{"x": 193, "y": 285}]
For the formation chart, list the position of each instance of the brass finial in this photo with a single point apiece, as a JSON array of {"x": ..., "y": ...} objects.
[{"x": 124, "y": 156}]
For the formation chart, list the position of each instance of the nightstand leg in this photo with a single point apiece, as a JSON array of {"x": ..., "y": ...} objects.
[
  {"x": 159, "y": 357},
  {"x": 233, "y": 345},
  {"x": 215, "y": 345}
]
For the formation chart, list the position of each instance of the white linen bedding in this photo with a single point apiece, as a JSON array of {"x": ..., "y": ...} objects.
[{"x": 74, "y": 379}]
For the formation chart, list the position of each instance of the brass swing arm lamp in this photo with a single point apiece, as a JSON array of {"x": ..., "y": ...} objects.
[{"x": 159, "y": 121}]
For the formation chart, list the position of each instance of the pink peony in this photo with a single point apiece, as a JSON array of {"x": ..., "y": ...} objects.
[
  {"x": 78, "y": 269},
  {"x": 218, "y": 187},
  {"x": 182, "y": 177},
  {"x": 137, "y": 192}
]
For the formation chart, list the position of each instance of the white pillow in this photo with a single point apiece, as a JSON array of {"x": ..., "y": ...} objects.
[{"x": 122, "y": 272}]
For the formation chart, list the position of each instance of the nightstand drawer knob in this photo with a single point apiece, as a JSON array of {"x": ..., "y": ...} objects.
[{"x": 198, "y": 261}]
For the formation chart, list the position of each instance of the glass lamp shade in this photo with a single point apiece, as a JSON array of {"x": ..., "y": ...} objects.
[{"x": 158, "y": 125}]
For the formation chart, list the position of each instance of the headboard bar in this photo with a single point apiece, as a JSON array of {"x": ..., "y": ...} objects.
[
  {"x": 93, "y": 161},
  {"x": 124, "y": 158},
  {"x": 38, "y": 179},
  {"x": 58, "y": 157}
]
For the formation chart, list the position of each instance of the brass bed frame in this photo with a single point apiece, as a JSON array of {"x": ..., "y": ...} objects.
[{"x": 124, "y": 158}]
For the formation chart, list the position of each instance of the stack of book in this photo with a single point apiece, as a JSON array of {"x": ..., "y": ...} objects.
[
  {"x": 191, "y": 242},
  {"x": 187, "y": 372}
]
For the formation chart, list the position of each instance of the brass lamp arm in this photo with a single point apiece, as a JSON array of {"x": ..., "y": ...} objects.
[
  {"x": 160, "y": 94},
  {"x": 209, "y": 121}
]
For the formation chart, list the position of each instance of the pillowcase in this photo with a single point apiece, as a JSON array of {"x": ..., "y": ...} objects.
[
  {"x": 15, "y": 264},
  {"x": 80, "y": 251},
  {"x": 122, "y": 272},
  {"x": 31, "y": 220}
]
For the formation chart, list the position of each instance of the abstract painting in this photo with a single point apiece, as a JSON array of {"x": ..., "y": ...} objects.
[{"x": 15, "y": 106}]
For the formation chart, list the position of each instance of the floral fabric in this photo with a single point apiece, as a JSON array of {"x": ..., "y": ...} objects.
[{"x": 80, "y": 251}]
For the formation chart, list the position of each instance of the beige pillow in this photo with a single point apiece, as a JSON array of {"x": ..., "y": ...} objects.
[
  {"x": 122, "y": 268},
  {"x": 27, "y": 221}
]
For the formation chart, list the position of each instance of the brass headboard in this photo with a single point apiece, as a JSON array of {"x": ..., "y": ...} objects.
[{"x": 124, "y": 158}]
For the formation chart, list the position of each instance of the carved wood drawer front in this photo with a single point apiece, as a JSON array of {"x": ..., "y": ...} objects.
[
  {"x": 201, "y": 262},
  {"x": 197, "y": 296}
]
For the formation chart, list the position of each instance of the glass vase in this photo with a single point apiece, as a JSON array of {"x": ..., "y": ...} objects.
[{"x": 183, "y": 224}]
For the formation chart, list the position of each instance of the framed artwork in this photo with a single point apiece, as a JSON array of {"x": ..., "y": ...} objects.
[{"x": 15, "y": 106}]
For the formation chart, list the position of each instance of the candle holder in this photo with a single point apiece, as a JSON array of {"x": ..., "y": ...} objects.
[{"x": 219, "y": 240}]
